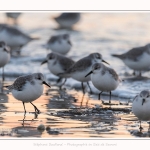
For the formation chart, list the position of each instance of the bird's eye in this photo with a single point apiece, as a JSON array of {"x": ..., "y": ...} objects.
[
  {"x": 39, "y": 78},
  {"x": 147, "y": 95}
]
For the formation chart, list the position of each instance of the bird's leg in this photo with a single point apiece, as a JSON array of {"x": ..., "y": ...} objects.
[
  {"x": 134, "y": 73},
  {"x": 110, "y": 97},
  {"x": 36, "y": 109},
  {"x": 140, "y": 127},
  {"x": 82, "y": 87},
  {"x": 23, "y": 119},
  {"x": 2, "y": 79},
  {"x": 59, "y": 79},
  {"x": 63, "y": 83},
  {"x": 89, "y": 88},
  {"x": 24, "y": 107},
  {"x": 99, "y": 96}
]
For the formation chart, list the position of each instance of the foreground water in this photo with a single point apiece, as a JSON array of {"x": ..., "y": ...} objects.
[{"x": 62, "y": 111}]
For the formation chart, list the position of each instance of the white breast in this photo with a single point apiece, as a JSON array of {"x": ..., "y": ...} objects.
[
  {"x": 29, "y": 93},
  {"x": 141, "y": 111},
  {"x": 62, "y": 47},
  {"x": 4, "y": 58},
  {"x": 142, "y": 64},
  {"x": 13, "y": 40},
  {"x": 105, "y": 82}
]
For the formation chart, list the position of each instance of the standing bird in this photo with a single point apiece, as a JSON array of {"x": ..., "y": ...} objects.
[
  {"x": 28, "y": 88},
  {"x": 137, "y": 58},
  {"x": 57, "y": 64},
  {"x": 80, "y": 68},
  {"x": 104, "y": 78},
  {"x": 59, "y": 44},
  {"x": 13, "y": 16},
  {"x": 13, "y": 37},
  {"x": 4, "y": 58},
  {"x": 67, "y": 20},
  {"x": 141, "y": 106}
]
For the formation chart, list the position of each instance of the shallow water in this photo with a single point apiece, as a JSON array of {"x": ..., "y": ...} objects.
[{"x": 63, "y": 111}]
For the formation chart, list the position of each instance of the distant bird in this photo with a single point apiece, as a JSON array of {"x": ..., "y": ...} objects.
[
  {"x": 59, "y": 44},
  {"x": 57, "y": 64},
  {"x": 67, "y": 20},
  {"x": 28, "y": 88},
  {"x": 104, "y": 78},
  {"x": 137, "y": 58},
  {"x": 13, "y": 37},
  {"x": 80, "y": 68},
  {"x": 13, "y": 16},
  {"x": 141, "y": 106},
  {"x": 4, "y": 58}
]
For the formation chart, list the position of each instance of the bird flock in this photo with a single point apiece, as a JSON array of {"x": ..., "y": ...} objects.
[{"x": 92, "y": 67}]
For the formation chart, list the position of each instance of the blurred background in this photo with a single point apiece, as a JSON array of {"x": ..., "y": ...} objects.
[{"x": 106, "y": 33}]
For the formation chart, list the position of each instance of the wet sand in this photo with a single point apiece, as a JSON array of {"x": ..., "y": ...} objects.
[{"x": 67, "y": 114}]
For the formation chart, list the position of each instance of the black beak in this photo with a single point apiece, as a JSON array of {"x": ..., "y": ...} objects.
[
  {"x": 46, "y": 84},
  {"x": 105, "y": 62},
  {"x": 45, "y": 61},
  {"x": 70, "y": 43},
  {"x": 6, "y": 49},
  {"x": 89, "y": 73},
  {"x": 143, "y": 101}
]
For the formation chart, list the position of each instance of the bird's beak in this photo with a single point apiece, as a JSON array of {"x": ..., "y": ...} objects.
[
  {"x": 45, "y": 61},
  {"x": 70, "y": 43},
  {"x": 7, "y": 49},
  {"x": 143, "y": 100},
  {"x": 105, "y": 62},
  {"x": 46, "y": 84},
  {"x": 89, "y": 73}
]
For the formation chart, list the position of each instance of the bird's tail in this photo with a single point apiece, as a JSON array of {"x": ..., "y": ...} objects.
[
  {"x": 9, "y": 87},
  {"x": 115, "y": 55}
]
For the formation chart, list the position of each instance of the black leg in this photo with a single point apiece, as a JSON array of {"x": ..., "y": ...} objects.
[
  {"x": 110, "y": 97},
  {"x": 23, "y": 119},
  {"x": 89, "y": 88},
  {"x": 35, "y": 108},
  {"x": 140, "y": 127},
  {"x": 99, "y": 95},
  {"x": 82, "y": 87},
  {"x": 63, "y": 83},
  {"x": 3, "y": 77},
  {"x": 24, "y": 107},
  {"x": 59, "y": 79}
]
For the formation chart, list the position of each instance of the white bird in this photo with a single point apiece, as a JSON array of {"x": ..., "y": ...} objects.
[
  {"x": 59, "y": 44},
  {"x": 28, "y": 88},
  {"x": 67, "y": 20},
  {"x": 4, "y": 57},
  {"x": 57, "y": 64},
  {"x": 104, "y": 78},
  {"x": 13, "y": 37},
  {"x": 80, "y": 68},
  {"x": 137, "y": 58},
  {"x": 141, "y": 106}
]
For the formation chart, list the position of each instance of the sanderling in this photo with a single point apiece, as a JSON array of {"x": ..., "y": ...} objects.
[
  {"x": 59, "y": 44},
  {"x": 13, "y": 16},
  {"x": 13, "y": 37},
  {"x": 141, "y": 106},
  {"x": 104, "y": 78},
  {"x": 57, "y": 64},
  {"x": 67, "y": 20},
  {"x": 137, "y": 58},
  {"x": 4, "y": 58},
  {"x": 28, "y": 88},
  {"x": 80, "y": 68}
]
